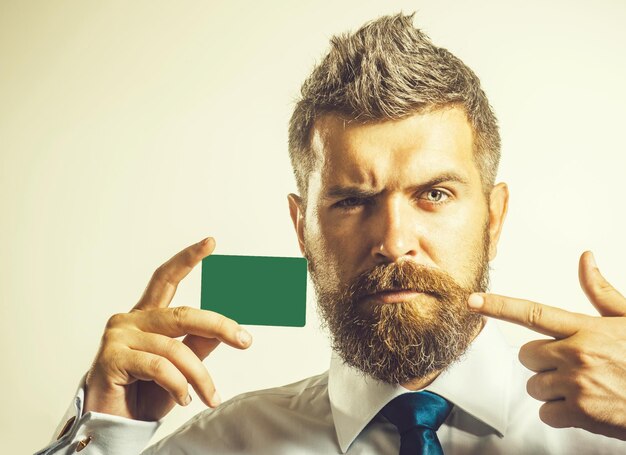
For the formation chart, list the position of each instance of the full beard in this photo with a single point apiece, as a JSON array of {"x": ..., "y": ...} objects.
[{"x": 400, "y": 342}]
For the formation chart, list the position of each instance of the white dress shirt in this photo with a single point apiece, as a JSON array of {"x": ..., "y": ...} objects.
[{"x": 337, "y": 412}]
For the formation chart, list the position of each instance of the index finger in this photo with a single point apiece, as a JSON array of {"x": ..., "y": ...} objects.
[
  {"x": 165, "y": 279},
  {"x": 184, "y": 320},
  {"x": 544, "y": 319}
]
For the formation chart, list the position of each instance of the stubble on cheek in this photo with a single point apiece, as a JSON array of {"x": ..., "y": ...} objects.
[{"x": 323, "y": 260}]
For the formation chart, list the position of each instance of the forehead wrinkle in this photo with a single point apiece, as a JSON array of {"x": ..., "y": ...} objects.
[
  {"x": 354, "y": 156},
  {"x": 346, "y": 164},
  {"x": 352, "y": 173}
]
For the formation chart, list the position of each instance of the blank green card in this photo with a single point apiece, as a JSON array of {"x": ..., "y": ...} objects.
[{"x": 256, "y": 290}]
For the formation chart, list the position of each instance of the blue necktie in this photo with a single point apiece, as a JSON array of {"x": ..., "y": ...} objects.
[{"x": 418, "y": 415}]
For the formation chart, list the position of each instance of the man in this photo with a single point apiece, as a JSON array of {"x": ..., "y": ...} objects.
[{"x": 395, "y": 151}]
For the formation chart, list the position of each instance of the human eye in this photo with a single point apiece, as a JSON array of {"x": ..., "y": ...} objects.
[
  {"x": 350, "y": 203},
  {"x": 435, "y": 196}
]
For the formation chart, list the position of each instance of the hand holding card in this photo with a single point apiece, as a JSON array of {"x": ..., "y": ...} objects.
[{"x": 142, "y": 369}]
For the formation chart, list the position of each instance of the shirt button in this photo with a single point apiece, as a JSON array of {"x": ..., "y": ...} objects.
[
  {"x": 66, "y": 427},
  {"x": 82, "y": 444}
]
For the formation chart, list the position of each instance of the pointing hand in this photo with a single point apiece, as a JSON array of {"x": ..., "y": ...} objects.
[{"x": 581, "y": 371}]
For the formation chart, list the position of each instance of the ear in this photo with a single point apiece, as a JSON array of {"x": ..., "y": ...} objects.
[
  {"x": 296, "y": 210},
  {"x": 498, "y": 206}
]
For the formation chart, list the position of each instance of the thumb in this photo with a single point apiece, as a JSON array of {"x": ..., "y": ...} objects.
[{"x": 607, "y": 300}]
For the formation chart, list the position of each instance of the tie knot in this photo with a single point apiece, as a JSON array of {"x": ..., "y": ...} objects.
[{"x": 417, "y": 409}]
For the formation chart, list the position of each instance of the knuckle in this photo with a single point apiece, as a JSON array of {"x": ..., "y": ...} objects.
[
  {"x": 161, "y": 274},
  {"x": 180, "y": 315},
  {"x": 522, "y": 356},
  {"x": 579, "y": 357},
  {"x": 115, "y": 321},
  {"x": 158, "y": 273},
  {"x": 526, "y": 348},
  {"x": 584, "y": 359},
  {"x": 579, "y": 386},
  {"x": 549, "y": 417},
  {"x": 172, "y": 348},
  {"x": 526, "y": 352},
  {"x": 535, "y": 313},
  {"x": 156, "y": 366},
  {"x": 602, "y": 286},
  {"x": 221, "y": 324},
  {"x": 110, "y": 336},
  {"x": 189, "y": 259},
  {"x": 531, "y": 386},
  {"x": 499, "y": 307}
]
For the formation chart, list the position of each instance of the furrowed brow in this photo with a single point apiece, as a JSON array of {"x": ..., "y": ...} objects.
[
  {"x": 446, "y": 177},
  {"x": 343, "y": 192}
]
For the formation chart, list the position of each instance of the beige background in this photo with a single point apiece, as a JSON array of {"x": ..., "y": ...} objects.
[{"x": 129, "y": 130}]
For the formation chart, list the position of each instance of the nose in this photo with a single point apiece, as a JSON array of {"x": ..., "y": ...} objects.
[{"x": 395, "y": 231}]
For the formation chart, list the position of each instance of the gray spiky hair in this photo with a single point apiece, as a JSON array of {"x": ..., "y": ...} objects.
[{"x": 388, "y": 69}]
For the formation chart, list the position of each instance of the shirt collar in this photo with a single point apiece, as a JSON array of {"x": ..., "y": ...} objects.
[{"x": 485, "y": 370}]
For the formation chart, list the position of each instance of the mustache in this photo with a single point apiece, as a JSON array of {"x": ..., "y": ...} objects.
[{"x": 404, "y": 275}]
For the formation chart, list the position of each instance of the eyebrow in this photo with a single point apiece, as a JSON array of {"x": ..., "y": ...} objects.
[{"x": 340, "y": 192}]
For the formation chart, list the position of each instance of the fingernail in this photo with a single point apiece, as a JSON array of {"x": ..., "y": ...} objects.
[
  {"x": 592, "y": 260},
  {"x": 475, "y": 301},
  {"x": 244, "y": 337},
  {"x": 216, "y": 400},
  {"x": 204, "y": 241},
  {"x": 187, "y": 400}
]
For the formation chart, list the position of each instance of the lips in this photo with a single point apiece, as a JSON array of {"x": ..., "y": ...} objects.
[{"x": 393, "y": 295}]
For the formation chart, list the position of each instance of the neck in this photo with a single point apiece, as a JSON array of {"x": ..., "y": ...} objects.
[{"x": 420, "y": 383}]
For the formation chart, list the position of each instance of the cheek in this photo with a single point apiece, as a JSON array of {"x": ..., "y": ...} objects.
[
  {"x": 320, "y": 240},
  {"x": 465, "y": 223},
  {"x": 458, "y": 242},
  {"x": 333, "y": 230},
  {"x": 340, "y": 245}
]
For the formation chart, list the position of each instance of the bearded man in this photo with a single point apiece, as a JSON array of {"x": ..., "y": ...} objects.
[{"x": 395, "y": 151}]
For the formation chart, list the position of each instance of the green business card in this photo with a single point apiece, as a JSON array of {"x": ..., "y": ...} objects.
[{"x": 256, "y": 290}]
